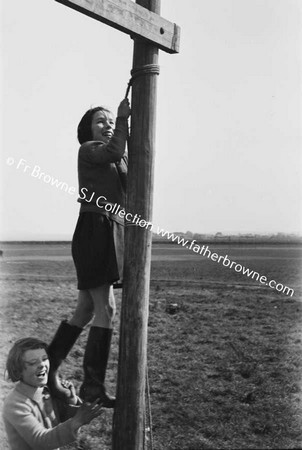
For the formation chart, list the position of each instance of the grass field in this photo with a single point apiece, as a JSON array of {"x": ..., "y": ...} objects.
[{"x": 224, "y": 370}]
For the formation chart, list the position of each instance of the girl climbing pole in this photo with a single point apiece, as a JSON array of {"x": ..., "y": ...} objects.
[{"x": 97, "y": 249}]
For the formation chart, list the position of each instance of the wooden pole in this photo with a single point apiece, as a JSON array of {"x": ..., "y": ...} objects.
[{"x": 128, "y": 421}]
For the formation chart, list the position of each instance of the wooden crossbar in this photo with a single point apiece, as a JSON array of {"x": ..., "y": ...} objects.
[{"x": 132, "y": 19}]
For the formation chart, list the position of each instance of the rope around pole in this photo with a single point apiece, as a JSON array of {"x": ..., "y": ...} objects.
[{"x": 147, "y": 69}]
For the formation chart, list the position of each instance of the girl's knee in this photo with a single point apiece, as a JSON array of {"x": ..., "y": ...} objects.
[
  {"x": 104, "y": 304},
  {"x": 84, "y": 311}
]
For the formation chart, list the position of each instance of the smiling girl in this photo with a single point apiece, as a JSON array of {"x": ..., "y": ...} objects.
[{"x": 32, "y": 419}]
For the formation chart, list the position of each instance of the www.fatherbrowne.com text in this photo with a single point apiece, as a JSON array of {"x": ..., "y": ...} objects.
[
  {"x": 225, "y": 261},
  {"x": 203, "y": 250},
  {"x": 136, "y": 219}
]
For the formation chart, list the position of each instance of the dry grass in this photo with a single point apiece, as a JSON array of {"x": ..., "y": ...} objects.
[{"x": 224, "y": 369}]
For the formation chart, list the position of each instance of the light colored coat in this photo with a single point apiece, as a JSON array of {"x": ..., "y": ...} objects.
[{"x": 27, "y": 425}]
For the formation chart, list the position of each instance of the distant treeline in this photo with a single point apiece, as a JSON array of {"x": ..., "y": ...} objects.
[
  {"x": 204, "y": 239},
  {"x": 234, "y": 239}
]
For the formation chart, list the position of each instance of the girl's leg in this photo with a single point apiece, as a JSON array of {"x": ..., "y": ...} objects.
[
  {"x": 64, "y": 339},
  {"x": 98, "y": 347},
  {"x": 104, "y": 306},
  {"x": 84, "y": 310}
]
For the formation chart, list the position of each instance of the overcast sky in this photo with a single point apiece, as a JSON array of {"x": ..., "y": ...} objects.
[{"x": 228, "y": 141}]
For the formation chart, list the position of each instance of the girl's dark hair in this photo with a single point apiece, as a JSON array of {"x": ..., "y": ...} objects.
[
  {"x": 14, "y": 362},
  {"x": 84, "y": 127}
]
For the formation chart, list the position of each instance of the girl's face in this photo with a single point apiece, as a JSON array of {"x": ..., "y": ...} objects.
[
  {"x": 102, "y": 126},
  {"x": 35, "y": 367}
]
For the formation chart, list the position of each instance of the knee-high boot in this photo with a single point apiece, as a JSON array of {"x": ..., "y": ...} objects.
[
  {"x": 95, "y": 365},
  {"x": 58, "y": 349}
]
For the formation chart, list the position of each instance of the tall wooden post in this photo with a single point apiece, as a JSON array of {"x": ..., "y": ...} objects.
[
  {"x": 128, "y": 420},
  {"x": 150, "y": 32}
]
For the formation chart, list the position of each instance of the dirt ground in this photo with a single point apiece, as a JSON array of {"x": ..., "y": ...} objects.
[{"x": 224, "y": 364}]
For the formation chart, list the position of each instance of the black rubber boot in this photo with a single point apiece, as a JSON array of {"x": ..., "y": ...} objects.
[
  {"x": 57, "y": 350},
  {"x": 95, "y": 365}
]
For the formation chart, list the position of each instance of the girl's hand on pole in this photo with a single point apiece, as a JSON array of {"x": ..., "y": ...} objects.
[{"x": 124, "y": 109}]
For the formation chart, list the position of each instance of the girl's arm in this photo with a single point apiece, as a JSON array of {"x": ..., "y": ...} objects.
[{"x": 21, "y": 419}]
